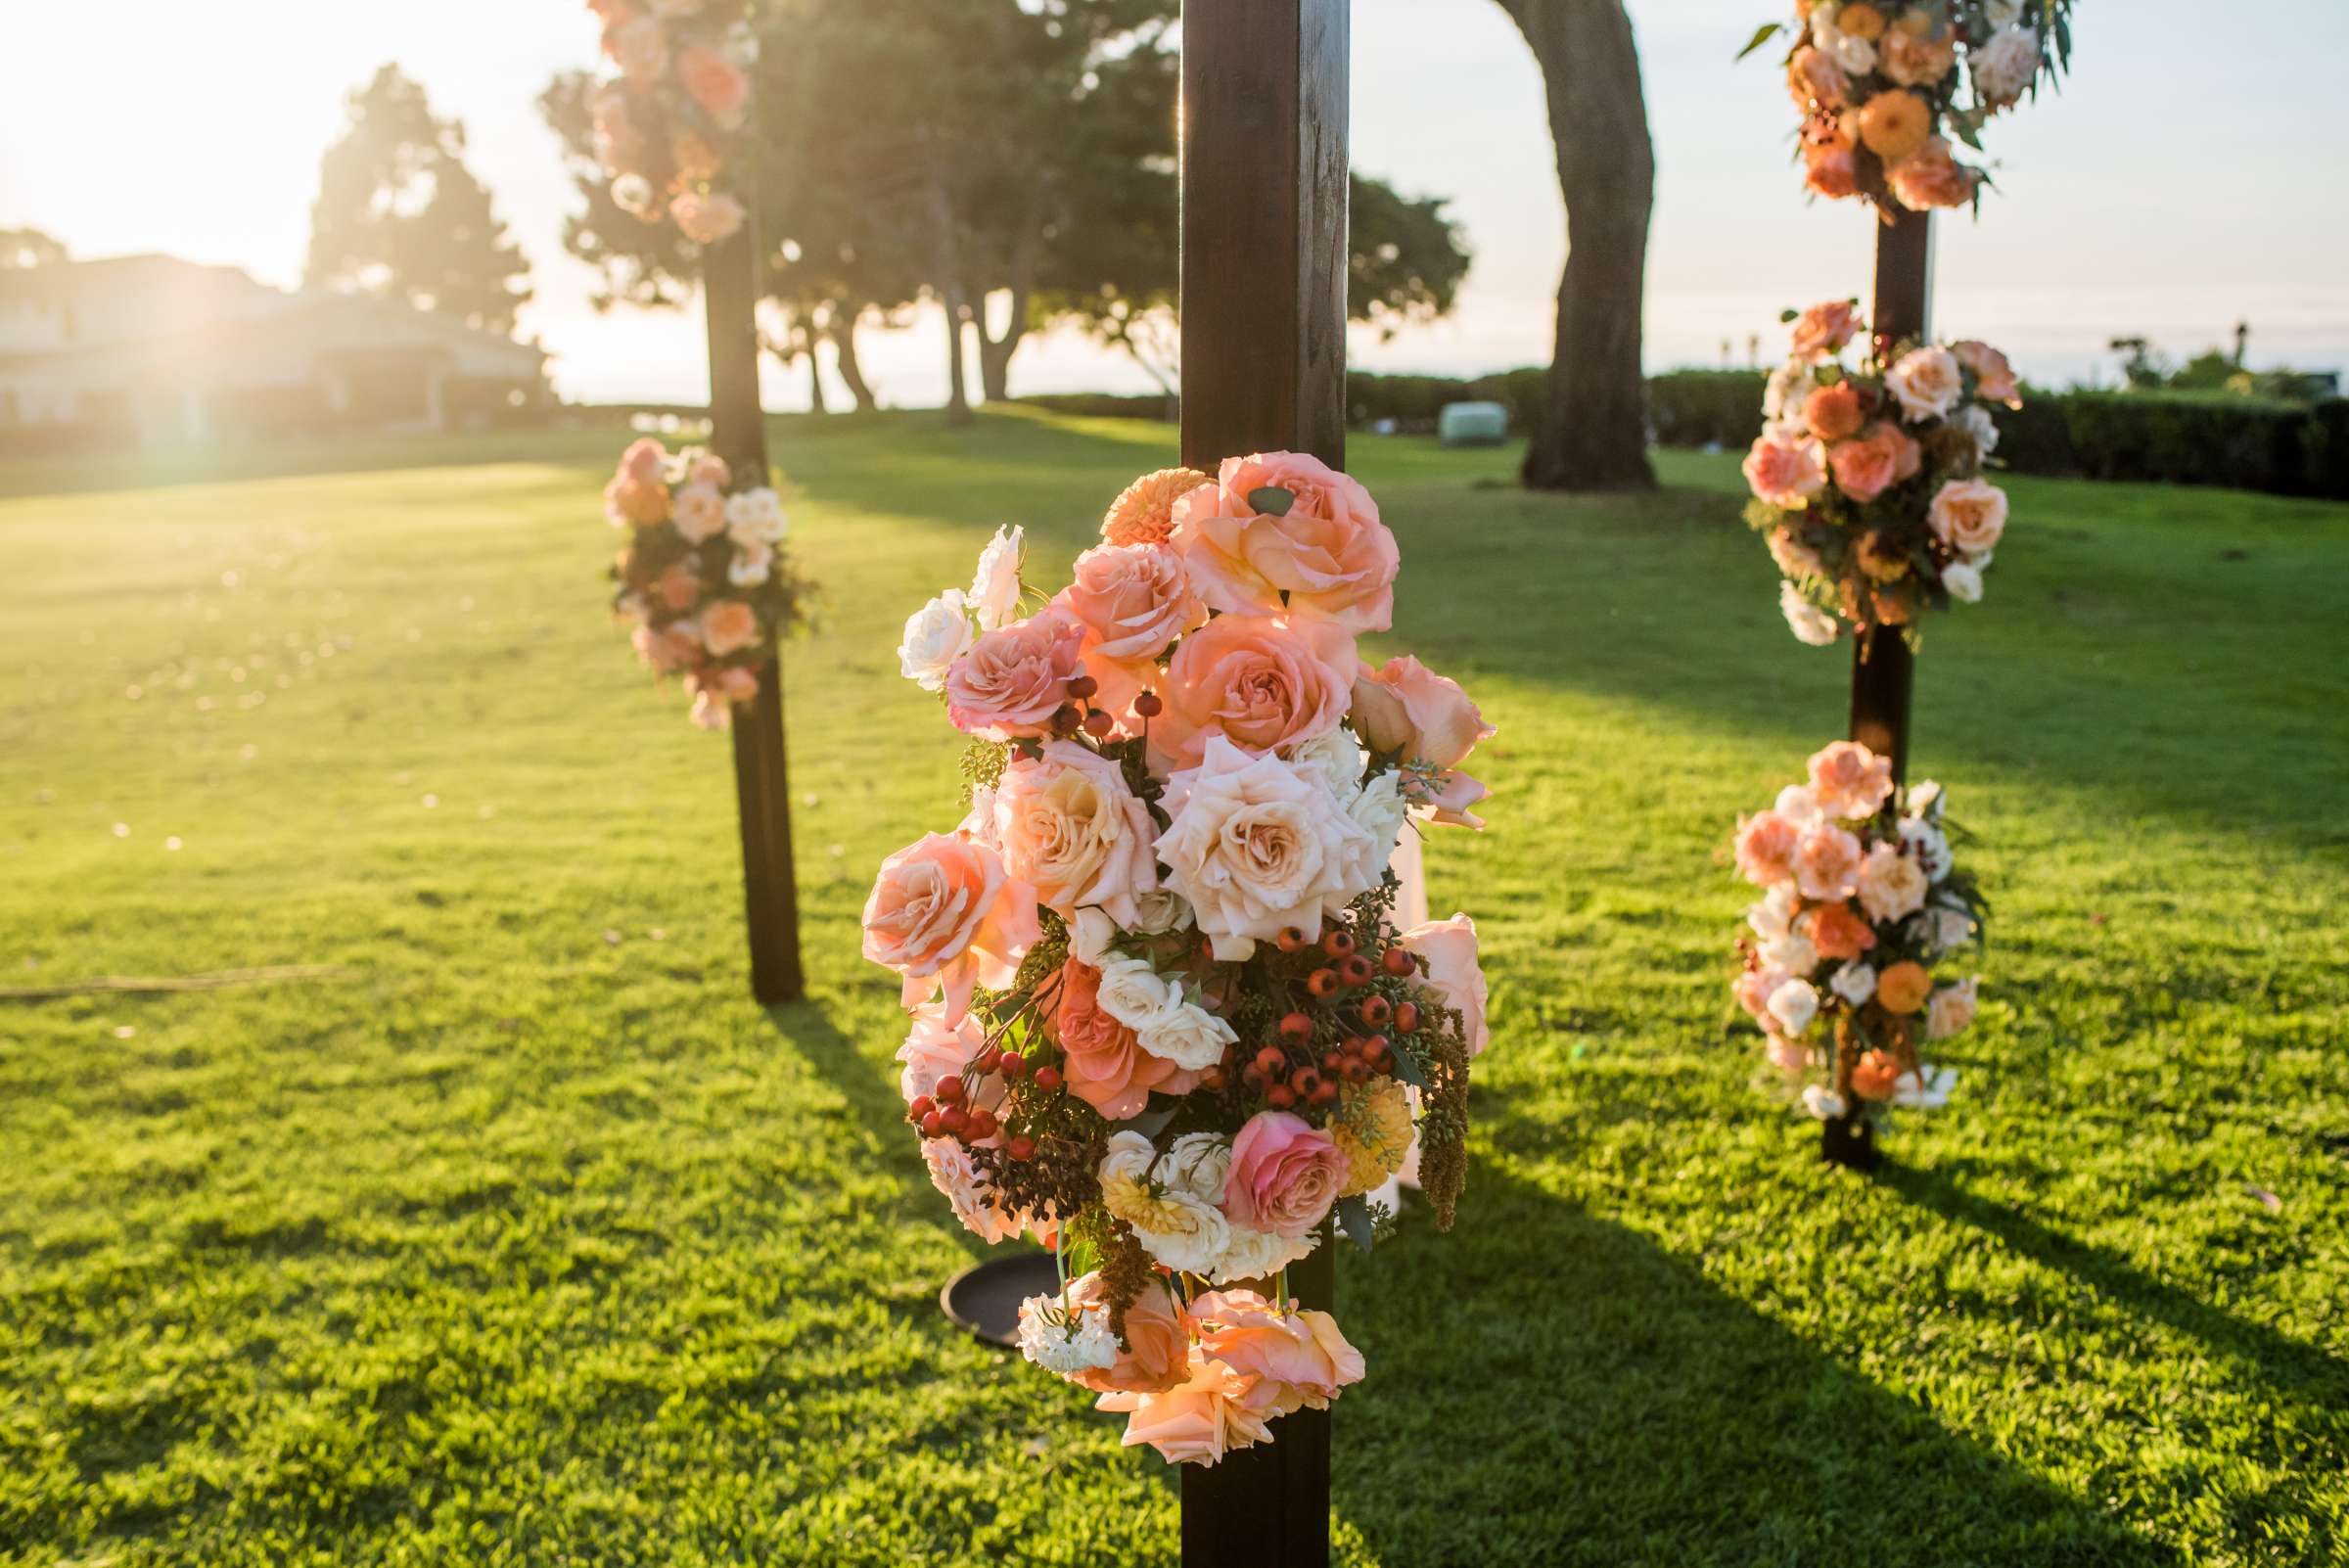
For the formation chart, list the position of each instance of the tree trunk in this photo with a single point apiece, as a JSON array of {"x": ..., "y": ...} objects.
[
  {"x": 947, "y": 242},
  {"x": 842, "y": 330},
  {"x": 1592, "y": 432},
  {"x": 995, "y": 357},
  {"x": 958, "y": 403},
  {"x": 815, "y": 381}
]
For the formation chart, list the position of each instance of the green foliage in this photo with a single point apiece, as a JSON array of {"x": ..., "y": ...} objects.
[
  {"x": 399, "y": 215},
  {"x": 536, "y": 1242}
]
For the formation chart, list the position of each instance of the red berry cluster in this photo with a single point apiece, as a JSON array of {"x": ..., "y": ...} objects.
[
  {"x": 1078, "y": 712},
  {"x": 1330, "y": 969}
]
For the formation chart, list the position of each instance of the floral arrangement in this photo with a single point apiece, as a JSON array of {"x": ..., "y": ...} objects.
[
  {"x": 664, "y": 127},
  {"x": 1868, "y": 480},
  {"x": 703, "y": 574},
  {"x": 1162, "y": 1015},
  {"x": 1884, "y": 85},
  {"x": 1859, "y": 900}
]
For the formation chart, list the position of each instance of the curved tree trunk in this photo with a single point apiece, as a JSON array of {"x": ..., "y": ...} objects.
[
  {"x": 841, "y": 328},
  {"x": 958, "y": 401},
  {"x": 1591, "y": 433}
]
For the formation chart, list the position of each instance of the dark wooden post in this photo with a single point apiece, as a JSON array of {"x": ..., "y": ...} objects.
[
  {"x": 1883, "y": 669},
  {"x": 1264, "y": 369},
  {"x": 762, "y": 787}
]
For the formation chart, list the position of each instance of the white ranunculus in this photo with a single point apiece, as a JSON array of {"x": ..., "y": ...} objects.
[
  {"x": 1339, "y": 757},
  {"x": 1198, "y": 1163},
  {"x": 1964, "y": 581},
  {"x": 2005, "y": 66},
  {"x": 1160, "y": 910},
  {"x": 1808, "y": 621},
  {"x": 756, "y": 517},
  {"x": 935, "y": 636},
  {"x": 1792, "y": 952},
  {"x": 1930, "y": 844},
  {"x": 1134, "y": 994},
  {"x": 1064, "y": 1339},
  {"x": 1979, "y": 427},
  {"x": 1926, "y": 1091},
  {"x": 994, "y": 595},
  {"x": 753, "y": 565},
  {"x": 1822, "y": 1103},
  {"x": 1258, "y": 845},
  {"x": 1855, "y": 982},
  {"x": 1175, "y": 1224},
  {"x": 1794, "y": 1005},
  {"x": 1186, "y": 1035},
  {"x": 1892, "y": 884}
]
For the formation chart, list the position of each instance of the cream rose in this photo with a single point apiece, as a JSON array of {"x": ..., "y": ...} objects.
[
  {"x": 1892, "y": 884},
  {"x": 756, "y": 517},
  {"x": 700, "y": 513},
  {"x": 1926, "y": 381},
  {"x": 935, "y": 636},
  {"x": 1258, "y": 845},
  {"x": 1969, "y": 514},
  {"x": 1066, "y": 824},
  {"x": 994, "y": 597}
]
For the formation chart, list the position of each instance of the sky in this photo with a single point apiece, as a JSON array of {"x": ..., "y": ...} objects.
[{"x": 2183, "y": 181}]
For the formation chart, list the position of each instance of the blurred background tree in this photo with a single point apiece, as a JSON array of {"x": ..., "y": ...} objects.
[
  {"x": 29, "y": 247},
  {"x": 399, "y": 214}
]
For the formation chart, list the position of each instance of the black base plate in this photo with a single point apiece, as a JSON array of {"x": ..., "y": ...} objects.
[{"x": 986, "y": 1299}]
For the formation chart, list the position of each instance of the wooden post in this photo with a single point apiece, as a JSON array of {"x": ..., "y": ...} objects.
[
  {"x": 1264, "y": 369},
  {"x": 1883, "y": 669},
  {"x": 762, "y": 786}
]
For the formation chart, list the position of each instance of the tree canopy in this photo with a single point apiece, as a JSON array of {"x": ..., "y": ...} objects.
[{"x": 399, "y": 214}]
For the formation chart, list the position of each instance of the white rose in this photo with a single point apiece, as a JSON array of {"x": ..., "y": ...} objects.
[
  {"x": 1337, "y": 755},
  {"x": 1064, "y": 1339},
  {"x": 1158, "y": 912},
  {"x": 1808, "y": 621},
  {"x": 1186, "y": 1035},
  {"x": 1855, "y": 982},
  {"x": 1381, "y": 809},
  {"x": 965, "y": 1186},
  {"x": 753, "y": 565},
  {"x": 1823, "y": 1103},
  {"x": 1928, "y": 1091},
  {"x": 1855, "y": 55},
  {"x": 1175, "y": 1225},
  {"x": 1924, "y": 798},
  {"x": 1134, "y": 994},
  {"x": 994, "y": 595},
  {"x": 1942, "y": 929},
  {"x": 1975, "y": 421},
  {"x": 1794, "y": 1004},
  {"x": 756, "y": 517},
  {"x": 935, "y": 636},
  {"x": 1258, "y": 1255},
  {"x": 1258, "y": 845},
  {"x": 632, "y": 194},
  {"x": 1929, "y": 845},
  {"x": 1964, "y": 581},
  {"x": 1773, "y": 917},
  {"x": 698, "y": 512},
  {"x": 1797, "y": 804},
  {"x": 1089, "y": 936},
  {"x": 2005, "y": 66},
  {"x": 1892, "y": 884},
  {"x": 1792, "y": 952},
  {"x": 1926, "y": 381},
  {"x": 1198, "y": 1163},
  {"x": 1789, "y": 388}
]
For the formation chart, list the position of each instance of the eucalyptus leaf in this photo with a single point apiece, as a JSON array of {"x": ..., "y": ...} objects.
[
  {"x": 1407, "y": 1067},
  {"x": 1353, "y": 1218},
  {"x": 1271, "y": 500},
  {"x": 1768, "y": 30}
]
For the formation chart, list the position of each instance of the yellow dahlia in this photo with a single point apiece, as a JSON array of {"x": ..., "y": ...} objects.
[{"x": 1372, "y": 1127}]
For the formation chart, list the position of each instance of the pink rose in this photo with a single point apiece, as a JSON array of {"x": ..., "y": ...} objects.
[
  {"x": 1865, "y": 469},
  {"x": 1133, "y": 601},
  {"x": 1827, "y": 862},
  {"x": 700, "y": 513},
  {"x": 715, "y": 83},
  {"x": 1952, "y": 1009},
  {"x": 1449, "y": 797},
  {"x": 1067, "y": 825},
  {"x": 643, "y": 462},
  {"x": 1969, "y": 515},
  {"x": 1766, "y": 843},
  {"x": 1993, "y": 377},
  {"x": 707, "y": 219},
  {"x": 1104, "y": 1064},
  {"x": 1322, "y": 546},
  {"x": 729, "y": 626},
  {"x": 1823, "y": 330},
  {"x": 1850, "y": 781},
  {"x": 1200, "y": 1419},
  {"x": 1285, "y": 1173},
  {"x": 710, "y": 469},
  {"x": 1454, "y": 973},
  {"x": 935, "y": 1050},
  {"x": 1261, "y": 680},
  {"x": 676, "y": 587},
  {"x": 1406, "y": 707},
  {"x": 1785, "y": 470},
  {"x": 944, "y": 913},
  {"x": 1157, "y": 1354},
  {"x": 1012, "y": 680},
  {"x": 1300, "y": 1355}
]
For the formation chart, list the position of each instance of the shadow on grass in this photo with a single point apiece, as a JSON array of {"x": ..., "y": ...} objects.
[
  {"x": 2297, "y": 1372},
  {"x": 1578, "y": 1394}
]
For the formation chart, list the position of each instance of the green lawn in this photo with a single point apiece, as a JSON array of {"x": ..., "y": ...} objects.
[{"x": 531, "y": 1239}]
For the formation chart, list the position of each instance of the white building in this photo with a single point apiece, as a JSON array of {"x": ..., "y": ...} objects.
[{"x": 150, "y": 350}]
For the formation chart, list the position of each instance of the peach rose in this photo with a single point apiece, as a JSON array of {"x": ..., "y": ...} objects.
[
  {"x": 670, "y": 649},
  {"x": 1013, "y": 679},
  {"x": 1104, "y": 1062},
  {"x": 1827, "y": 862},
  {"x": 1262, "y": 681},
  {"x": 1766, "y": 843},
  {"x": 1404, "y": 707},
  {"x": 1917, "y": 61},
  {"x": 1285, "y": 1173},
  {"x": 1133, "y": 599},
  {"x": 729, "y": 626},
  {"x": 1454, "y": 973},
  {"x": 1816, "y": 81},
  {"x": 1861, "y": 20},
  {"x": 944, "y": 913},
  {"x": 1931, "y": 177},
  {"x": 1952, "y": 1010},
  {"x": 699, "y": 513},
  {"x": 1874, "y": 1076},
  {"x": 676, "y": 587},
  {"x": 1067, "y": 825},
  {"x": 1830, "y": 171},
  {"x": 935, "y": 1050},
  {"x": 1834, "y": 412},
  {"x": 1868, "y": 467},
  {"x": 1850, "y": 781},
  {"x": 1144, "y": 511},
  {"x": 1257, "y": 845},
  {"x": 1835, "y": 932},
  {"x": 1822, "y": 331},
  {"x": 1925, "y": 382},
  {"x": 1157, "y": 1352},
  {"x": 1895, "y": 124},
  {"x": 1786, "y": 471},
  {"x": 1300, "y": 1354},
  {"x": 716, "y": 84},
  {"x": 1213, "y": 1411},
  {"x": 1902, "y": 989},
  {"x": 1969, "y": 514},
  {"x": 1320, "y": 544},
  {"x": 1993, "y": 376},
  {"x": 633, "y": 503}
]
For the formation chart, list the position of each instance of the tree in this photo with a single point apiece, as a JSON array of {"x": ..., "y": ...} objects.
[
  {"x": 1591, "y": 434},
  {"x": 28, "y": 247},
  {"x": 398, "y": 214}
]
